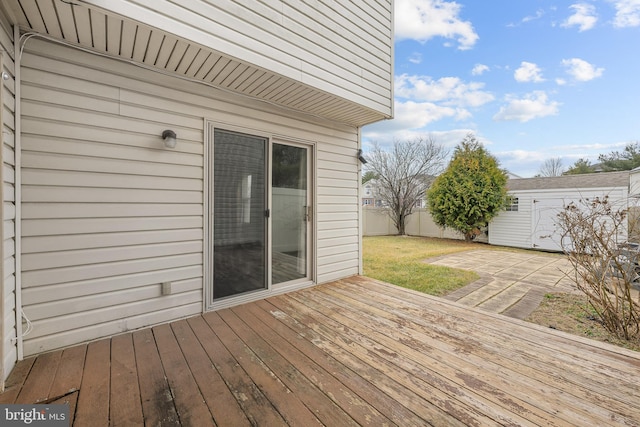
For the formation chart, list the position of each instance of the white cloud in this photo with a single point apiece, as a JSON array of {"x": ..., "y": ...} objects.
[
  {"x": 627, "y": 13},
  {"x": 449, "y": 138},
  {"x": 534, "y": 105},
  {"x": 413, "y": 115},
  {"x": 479, "y": 69},
  {"x": 584, "y": 17},
  {"x": 528, "y": 72},
  {"x": 450, "y": 91},
  {"x": 423, "y": 20},
  {"x": 539, "y": 14},
  {"x": 415, "y": 58},
  {"x": 581, "y": 70}
]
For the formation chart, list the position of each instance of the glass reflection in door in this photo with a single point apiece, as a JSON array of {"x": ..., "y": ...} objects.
[
  {"x": 239, "y": 206},
  {"x": 291, "y": 213}
]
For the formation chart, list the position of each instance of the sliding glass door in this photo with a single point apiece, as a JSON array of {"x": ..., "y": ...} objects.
[
  {"x": 261, "y": 213},
  {"x": 291, "y": 212},
  {"x": 239, "y": 213}
]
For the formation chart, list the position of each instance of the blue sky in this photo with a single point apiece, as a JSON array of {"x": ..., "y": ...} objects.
[{"x": 532, "y": 79}]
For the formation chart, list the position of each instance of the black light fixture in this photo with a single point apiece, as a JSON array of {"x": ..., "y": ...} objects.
[
  {"x": 169, "y": 138},
  {"x": 361, "y": 157}
]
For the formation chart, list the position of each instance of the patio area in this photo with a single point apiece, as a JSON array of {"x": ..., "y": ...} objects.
[{"x": 352, "y": 352}]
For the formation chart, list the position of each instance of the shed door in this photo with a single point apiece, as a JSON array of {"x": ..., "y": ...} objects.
[{"x": 546, "y": 234}]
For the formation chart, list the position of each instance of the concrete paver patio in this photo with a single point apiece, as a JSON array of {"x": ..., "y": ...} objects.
[{"x": 511, "y": 283}]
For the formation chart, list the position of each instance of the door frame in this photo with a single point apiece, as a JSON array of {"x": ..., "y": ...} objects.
[{"x": 208, "y": 303}]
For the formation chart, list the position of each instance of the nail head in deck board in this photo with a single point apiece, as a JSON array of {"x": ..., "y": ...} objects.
[
  {"x": 189, "y": 402},
  {"x": 37, "y": 386},
  {"x": 93, "y": 401},
  {"x": 69, "y": 375},
  {"x": 285, "y": 401},
  {"x": 251, "y": 398},
  {"x": 16, "y": 380},
  {"x": 301, "y": 338},
  {"x": 158, "y": 406},
  {"x": 346, "y": 398},
  {"x": 125, "y": 393},
  {"x": 221, "y": 403}
]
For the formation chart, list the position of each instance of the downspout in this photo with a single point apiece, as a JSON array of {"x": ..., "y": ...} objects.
[
  {"x": 360, "y": 217},
  {"x": 2, "y": 236},
  {"x": 18, "y": 190}
]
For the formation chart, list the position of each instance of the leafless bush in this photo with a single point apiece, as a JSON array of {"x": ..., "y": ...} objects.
[{"x": 594, "y": 237}]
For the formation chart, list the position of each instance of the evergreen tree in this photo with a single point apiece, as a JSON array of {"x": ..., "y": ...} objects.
[
  {"x": 470, "y": 192},
  {"x": 626, "y": 160},
  {"x": 579, "y": 167}
]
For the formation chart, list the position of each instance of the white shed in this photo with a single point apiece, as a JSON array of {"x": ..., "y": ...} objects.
[{"x": 530, "y": 220}]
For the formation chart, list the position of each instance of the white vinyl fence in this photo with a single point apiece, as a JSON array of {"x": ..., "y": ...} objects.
[{"x": 376, "y": 222}]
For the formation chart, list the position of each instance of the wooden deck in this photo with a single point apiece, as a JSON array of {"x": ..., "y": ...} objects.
[{"x": 353, "y": 352}]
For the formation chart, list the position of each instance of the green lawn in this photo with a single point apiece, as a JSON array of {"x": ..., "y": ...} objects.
[{"x": 400, "y": 260}]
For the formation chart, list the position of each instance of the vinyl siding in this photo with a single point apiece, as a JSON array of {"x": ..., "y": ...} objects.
[
  {"x": 513, "y": 228},
  {"x": 108, "y": 213},
  {"x": 517, "y": 229},
  {"x": 8, "y": 348},
  {"x": 342, "y": 48}
]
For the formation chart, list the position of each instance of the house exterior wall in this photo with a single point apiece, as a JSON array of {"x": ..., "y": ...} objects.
[
  {"x": 8, "y": 350},
  {"x": 521, "y": 230},
  {"x": 340, "y": 47},
  {"x": 108, "y": 214}
]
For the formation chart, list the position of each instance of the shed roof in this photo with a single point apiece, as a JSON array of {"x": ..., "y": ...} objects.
[{"x": 590, "y": 180}]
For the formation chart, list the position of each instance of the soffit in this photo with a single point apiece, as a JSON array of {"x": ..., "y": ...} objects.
[{"x": 119, "y": 37}]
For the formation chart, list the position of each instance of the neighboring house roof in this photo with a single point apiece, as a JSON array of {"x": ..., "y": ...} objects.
[{"x": 588, "y": 180}]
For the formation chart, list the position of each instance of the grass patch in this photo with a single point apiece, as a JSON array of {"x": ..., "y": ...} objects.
[
  {"x": 572, "y": 313},
  {"x": 400, "y": 260}
]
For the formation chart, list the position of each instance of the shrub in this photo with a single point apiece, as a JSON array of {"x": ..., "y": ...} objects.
[{"x": 594, "y": 237}]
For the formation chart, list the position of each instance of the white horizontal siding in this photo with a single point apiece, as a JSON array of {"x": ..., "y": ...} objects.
[
  {"x": 108, "y": 213},
  {"x": 341, "y": 48},
  {"x": 8, "y": 349},
  {"x": 513, "y": 229},
  {"x": 517, "y": 229}
]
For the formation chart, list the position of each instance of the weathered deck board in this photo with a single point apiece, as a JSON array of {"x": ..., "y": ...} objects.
[
  {"x": 352, "y": 352},
  {"x": 69, "y": 373},
  {"x": 93, "y": 399},
  {"x": 125, "y": 391},
  {"x": 218, "y": 397},
  {"x": 156, "y": 400},
  {"x": 518, "y": 351}
]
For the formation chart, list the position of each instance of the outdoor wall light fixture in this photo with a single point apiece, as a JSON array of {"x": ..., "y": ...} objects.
[
  {"x": 361, "y": 157},
  {"x": 169, "y": 138}
]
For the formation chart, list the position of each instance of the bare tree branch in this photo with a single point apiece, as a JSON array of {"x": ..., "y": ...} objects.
[
  {"x": 551, "y": 167},
  {"x": 404, "y": 173}
]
